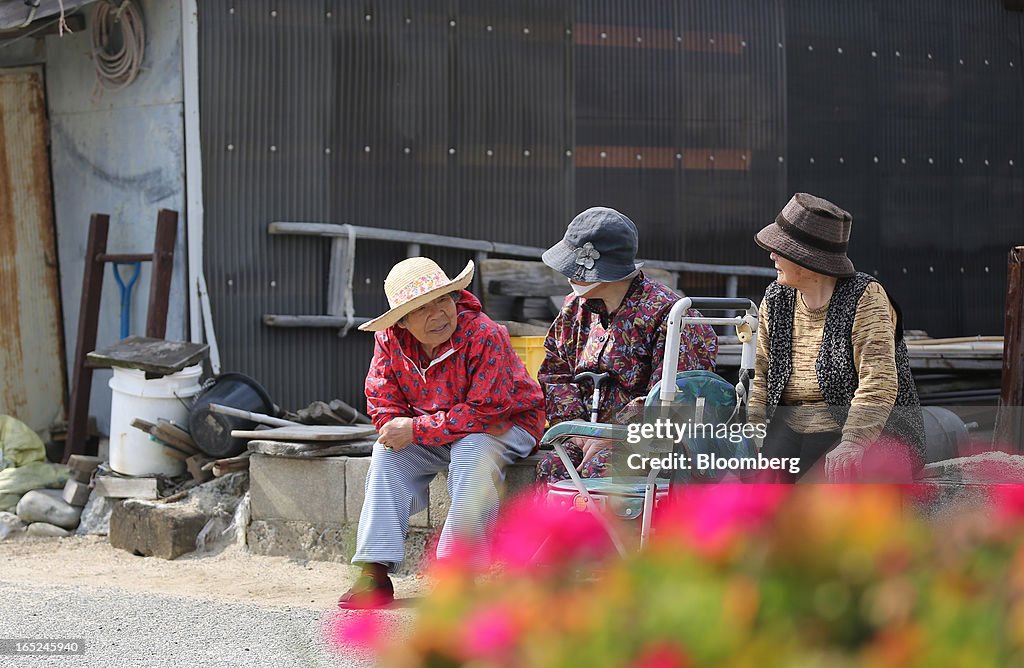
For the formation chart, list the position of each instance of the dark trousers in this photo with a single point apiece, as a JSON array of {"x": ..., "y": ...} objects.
[{"x": 810, "y": 449}]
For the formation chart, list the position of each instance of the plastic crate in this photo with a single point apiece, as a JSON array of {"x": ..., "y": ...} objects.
[{"x": 531, "y": 350}]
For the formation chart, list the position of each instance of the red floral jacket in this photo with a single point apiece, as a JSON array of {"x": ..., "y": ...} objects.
[
  {"x": 475, "y": 383},
  {"x": 628, "y": 344}
]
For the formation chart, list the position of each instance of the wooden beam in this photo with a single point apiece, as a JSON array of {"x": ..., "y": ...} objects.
[
  {"x": 1009, "y": 428},
  {"x": 160, "y": 279},
  {"x": 88, "y": 322}
]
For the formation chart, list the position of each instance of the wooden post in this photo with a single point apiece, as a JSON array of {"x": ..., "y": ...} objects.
[
  {"x": 160, "y": 279},
  {"x": 1009, "y": 429},
  {"x": 88, "y": 321}
]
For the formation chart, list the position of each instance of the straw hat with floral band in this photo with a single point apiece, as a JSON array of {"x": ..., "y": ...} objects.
[
  {"x": 812, "y": 232},
  {"x": 413, "y": 283}
]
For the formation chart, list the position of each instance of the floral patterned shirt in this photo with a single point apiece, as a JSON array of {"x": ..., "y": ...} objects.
[
  {"x": 628, "y": 344},
  {"x": 475, "y": 382}
]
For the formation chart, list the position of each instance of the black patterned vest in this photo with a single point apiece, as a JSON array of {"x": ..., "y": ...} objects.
[{"x": 837, "y": 375}]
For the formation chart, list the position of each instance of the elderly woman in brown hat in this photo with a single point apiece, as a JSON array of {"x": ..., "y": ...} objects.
[
  {"x": 446, "y": 392},
  {"x": 832, "y": 373}
]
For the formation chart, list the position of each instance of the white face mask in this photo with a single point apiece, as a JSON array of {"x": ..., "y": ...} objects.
[{"x": 582, "y": 290}]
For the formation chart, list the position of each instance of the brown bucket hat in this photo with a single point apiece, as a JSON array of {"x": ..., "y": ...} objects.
[{"x": 812, "y": 232}]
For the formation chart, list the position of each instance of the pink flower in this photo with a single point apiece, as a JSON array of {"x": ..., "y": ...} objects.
[
  {"x": 1009, "y": 501},
  {"x": 712, "y": 516},
  {"x": 661, "y": 655},
  {"x": 363, "y": 629},
  {"x": 489, "y": 632},
  {"x": 531, "y": 529}
]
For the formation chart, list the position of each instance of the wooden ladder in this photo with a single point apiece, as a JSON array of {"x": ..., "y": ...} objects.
[{"x": 96, "y": 258}]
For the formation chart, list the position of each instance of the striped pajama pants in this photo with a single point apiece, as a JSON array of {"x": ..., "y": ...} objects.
[{"x": 396, "y": 487}]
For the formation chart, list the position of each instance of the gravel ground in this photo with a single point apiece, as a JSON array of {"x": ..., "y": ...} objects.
[{"x": 142, "y": 629}]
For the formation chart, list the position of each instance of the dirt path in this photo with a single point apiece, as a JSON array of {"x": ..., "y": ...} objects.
[{"x": 230, "y": 575}]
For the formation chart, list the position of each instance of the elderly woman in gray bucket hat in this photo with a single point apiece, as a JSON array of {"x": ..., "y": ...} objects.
[
  {"x": 832, "y": 374},
  {"x": 614, "y": 323}
]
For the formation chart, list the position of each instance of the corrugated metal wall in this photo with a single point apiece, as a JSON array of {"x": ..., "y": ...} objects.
[
  {"x": 909, "y": 115},
  {"x": 500, "y": 120}
]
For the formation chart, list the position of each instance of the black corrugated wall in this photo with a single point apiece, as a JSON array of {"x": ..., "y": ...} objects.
[{"x": 500, "y": 120}]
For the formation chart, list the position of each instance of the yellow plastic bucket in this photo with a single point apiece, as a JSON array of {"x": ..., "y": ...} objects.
[{"x": 531, "y": 350}]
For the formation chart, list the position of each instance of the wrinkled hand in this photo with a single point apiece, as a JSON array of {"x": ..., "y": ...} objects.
[
  {"x": 590, "y": 447},
  {"x": 843, "y": 463},
  {"x": 396, "y": 434}
]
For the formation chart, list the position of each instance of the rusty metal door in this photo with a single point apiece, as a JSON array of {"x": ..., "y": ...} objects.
[{"x": 31, "y": 339}]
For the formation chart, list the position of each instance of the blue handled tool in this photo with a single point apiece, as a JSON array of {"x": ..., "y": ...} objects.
[{"x": 126, "y": 293}]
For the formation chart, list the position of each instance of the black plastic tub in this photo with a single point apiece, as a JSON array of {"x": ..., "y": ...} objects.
[{"x": 212, "y": 431}]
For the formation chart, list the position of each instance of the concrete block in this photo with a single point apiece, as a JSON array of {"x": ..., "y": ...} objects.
[
  {"x": 127, "y": 488},
  {"x": 82, "y": 476},
  {"x": 76, "y": 493},
  {"x": 155, "y": 530},
  {"x": 301, "y": 540},
  {"x": 419, "y": 547},
  {"x": 420, "y": 520},
  {"x": 440, "y": 502},
  {"x": 84, "y": 463},
  {"x": 300, "y": 490},
  {"x": 986, "y": 468},
  {"x": 521, "y": 476},
  {"x": 355, "y": 486}
]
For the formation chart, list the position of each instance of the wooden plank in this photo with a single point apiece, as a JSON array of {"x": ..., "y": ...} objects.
[
  {"x": 88, "y": 323},
  {"x": 529, "y": 287},
  {"x": 309, "y": 433},
  {"x": 171, "y": 448},
  {"x": 170, "y": 433},
  {"x": 339, "y": 278},
  {"x": 523, "y": 328},
  {"x": 520, "y": 289},
  {"x": 301, "y": 450},
  {"x": 273, "y": 320},
  {"x": 1010, "y": 424},
  {"x": 84, "y": 463},
  {"x": 127, "y": 488},
  {"x": 195, "y": 465},
  {"x": 505, "y": 274},
  {"x": 143, "y": 425},
  {"x": 379, "y": 234},
  {"x": 172, "y": 451},
  {"x": 157, "y": 356},
  {"x": 160, "y": 277}
]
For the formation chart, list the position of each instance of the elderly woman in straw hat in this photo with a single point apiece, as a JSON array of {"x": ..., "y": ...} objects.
[
  {"x": 832, "y": 366},
  {"x": 446, "y": 391},
  {"x": 614, "y": 322}
]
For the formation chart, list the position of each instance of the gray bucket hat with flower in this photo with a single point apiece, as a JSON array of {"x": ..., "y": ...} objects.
[{"x": 599, "y": 246}]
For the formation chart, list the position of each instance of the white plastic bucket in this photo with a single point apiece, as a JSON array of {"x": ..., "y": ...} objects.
[{"x": 133, "y": 396}]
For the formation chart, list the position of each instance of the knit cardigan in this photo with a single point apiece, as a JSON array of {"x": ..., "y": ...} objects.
[{"x": 835, "y": 368}]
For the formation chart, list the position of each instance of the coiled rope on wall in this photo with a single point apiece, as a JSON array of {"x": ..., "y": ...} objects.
[{"x": 118, "y": 43}]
